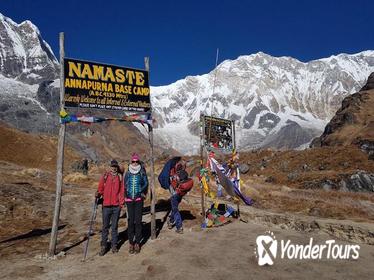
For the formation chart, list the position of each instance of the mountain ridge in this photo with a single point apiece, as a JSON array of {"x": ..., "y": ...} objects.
[
  {"x": 269, "y": 97},
  {"x": 263, "y": 94},
  {"x": 353, "y": 123}
]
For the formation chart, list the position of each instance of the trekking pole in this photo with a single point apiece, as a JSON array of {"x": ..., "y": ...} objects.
[
  {"x": 238, "y": 175},
  {"x": 92, "y": 221}
]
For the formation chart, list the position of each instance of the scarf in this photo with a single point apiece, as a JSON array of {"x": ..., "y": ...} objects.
[{"x": 134, "y": 169}]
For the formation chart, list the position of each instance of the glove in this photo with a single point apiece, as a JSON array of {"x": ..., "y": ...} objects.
[{"x": 97, "y": 194}]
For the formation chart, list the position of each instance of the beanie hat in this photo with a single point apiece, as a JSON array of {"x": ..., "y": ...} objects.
[{"x": 113, "y": 162}]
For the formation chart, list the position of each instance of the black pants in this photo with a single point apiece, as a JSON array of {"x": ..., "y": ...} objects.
[
  {"x": 110, "y": 218},
  {"x": 134, "y": 221}
]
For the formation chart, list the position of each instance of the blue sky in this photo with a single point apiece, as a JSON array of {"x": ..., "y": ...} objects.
[{"x": 181, "y": 37}]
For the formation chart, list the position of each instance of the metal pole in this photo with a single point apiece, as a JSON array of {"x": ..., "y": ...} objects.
[
  {"x": 153, "y": 192},
  {"x": 202, "y": 133},
  {"x": 60, "y": 156},
  {"x": 92, "y": 221}
]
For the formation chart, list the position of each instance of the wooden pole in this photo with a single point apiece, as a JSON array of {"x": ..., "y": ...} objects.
[
  {"x": 237, "y": 169},
  {"x": 153, "y": 192},
  {"x": 214, "y": 83},
  {"x": 60, "y": 155},
  {"x": 202, "y": 133},
  {"x": 233, "y": 134}
]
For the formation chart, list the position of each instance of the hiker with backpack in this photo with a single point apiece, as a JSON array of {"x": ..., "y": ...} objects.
[
  {"x": 174, "y": 178},
  {"x": 136, "y": 186},
  {"x": 111, "y": 190},
  {"x": 181, "y": 185}
]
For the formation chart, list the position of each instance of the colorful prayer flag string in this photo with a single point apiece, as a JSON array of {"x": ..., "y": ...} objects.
[{"x": 67, "y": 118}]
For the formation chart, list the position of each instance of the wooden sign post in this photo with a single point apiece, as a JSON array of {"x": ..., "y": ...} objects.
[
  {"x": 202, "y": 131},
  {"x": 153, "y": 192},
  {"x": 60, "y": 156}
]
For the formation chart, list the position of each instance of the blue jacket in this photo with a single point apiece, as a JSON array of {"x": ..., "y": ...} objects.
[{"x": 135, "y": 184}]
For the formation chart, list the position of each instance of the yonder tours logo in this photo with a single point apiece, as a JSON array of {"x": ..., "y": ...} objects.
[{"x": 267, "y": 250}]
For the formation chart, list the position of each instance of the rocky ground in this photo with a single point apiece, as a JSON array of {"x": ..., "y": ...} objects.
[
  {"x": 218, "y": 253},
  {"x": 297, "y": 194}
]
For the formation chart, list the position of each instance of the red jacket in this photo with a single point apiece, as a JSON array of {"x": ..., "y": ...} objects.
[{"x": 112, "y": 190}]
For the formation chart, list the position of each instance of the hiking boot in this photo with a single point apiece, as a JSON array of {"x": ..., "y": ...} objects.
[
  {"x": 179, "y": 230},
  {"x": 102, "y": 251},
  {"x": 114, "y": 249},
  {"x": 137, "y": 248},
  {"x": 170, "y": 225},
  {"x": 131, "y": 249}
]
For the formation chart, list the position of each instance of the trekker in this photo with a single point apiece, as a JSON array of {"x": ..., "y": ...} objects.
[
  {"x": 85, "y": 166},
  {"x": 111, "y": 189},
  {"x": 181, "y": 186},
  {"x": 136, "y": 186}
]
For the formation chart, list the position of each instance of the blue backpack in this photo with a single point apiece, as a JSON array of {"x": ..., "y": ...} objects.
[{"x": 164, "y": 177}]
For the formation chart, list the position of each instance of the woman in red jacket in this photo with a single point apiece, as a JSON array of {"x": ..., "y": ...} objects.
[{"x": 112, "y": 191}]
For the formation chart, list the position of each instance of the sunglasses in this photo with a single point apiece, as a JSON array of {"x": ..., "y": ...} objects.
[{"x": 135, "y": 161}]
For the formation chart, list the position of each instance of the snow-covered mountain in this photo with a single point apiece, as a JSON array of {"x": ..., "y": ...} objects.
[
  {"x": 24, "y": 55},
  {"x": 276, "y": 101},
  {"x": 27, "y": 68}
]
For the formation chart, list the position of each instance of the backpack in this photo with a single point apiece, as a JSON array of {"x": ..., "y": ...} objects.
[
  {"x": 184, "y": 187},
  {"x": 170, "y": 170}
]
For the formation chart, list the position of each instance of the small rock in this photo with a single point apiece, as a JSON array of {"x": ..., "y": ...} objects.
[
  {"x": 270, "y": 179},
  {"x": 292, "y": 176},
  {"x": 321, "y": 167},
  {"x": 39, "y": 257},
  {"x": 61, "y": 254},
  {"x": 315, "y": 211},
  {"x": 371, "y": 155},
  {"x": 305, "y": 167},
  {"x": 283, "y": 166},
  {"x": 343, "y": 186},
  {"x": 243, "y": 168},
  {"x": 314, "y": 224},
  {"x": 328, "y": 185}
]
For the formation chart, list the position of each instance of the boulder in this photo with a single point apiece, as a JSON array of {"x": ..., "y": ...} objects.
[
  {"x": 361, "y": 181},
  {"x": 243, "y": 168}
]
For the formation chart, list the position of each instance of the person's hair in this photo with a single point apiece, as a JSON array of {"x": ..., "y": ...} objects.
[{"x": 183, "y": 175}]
